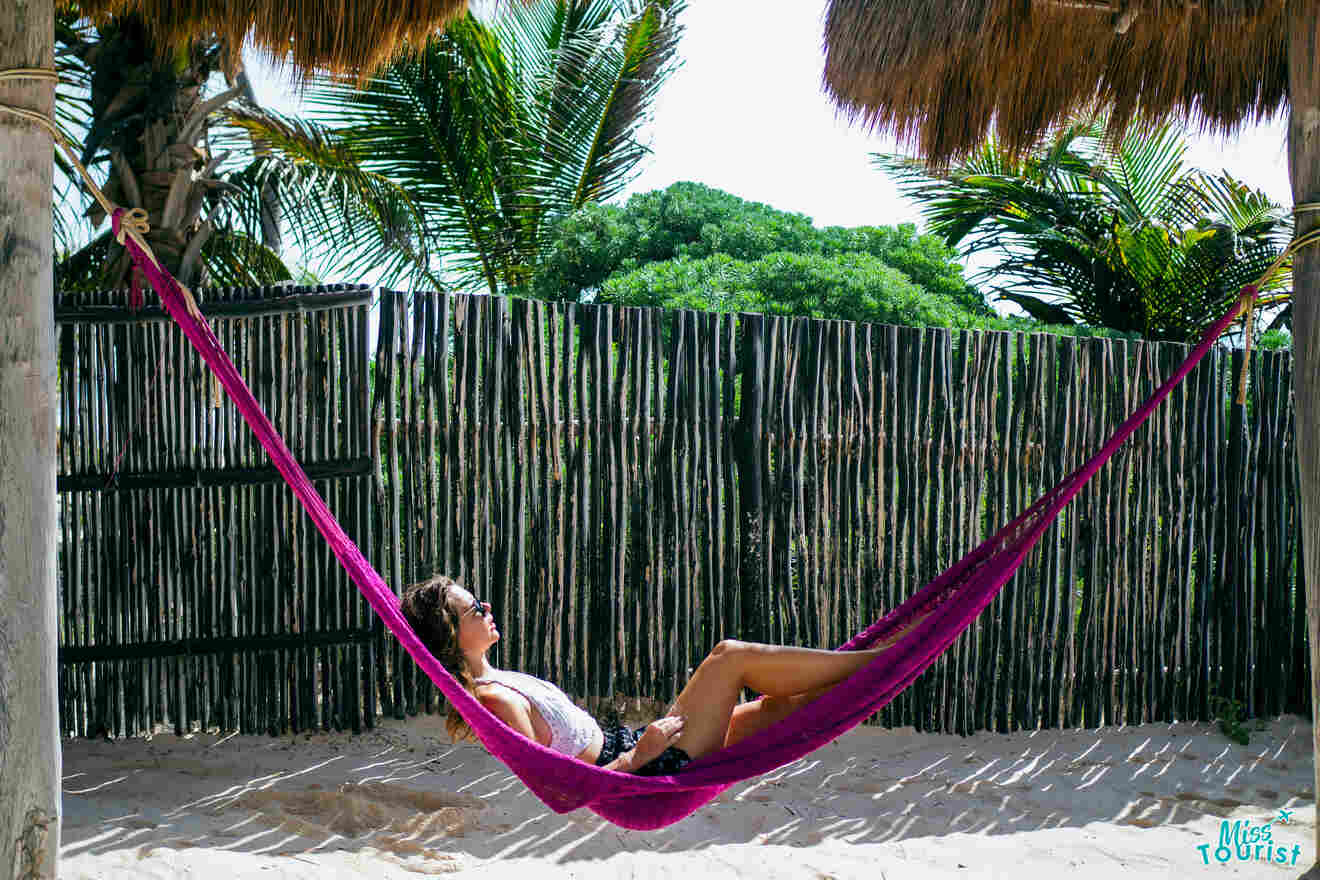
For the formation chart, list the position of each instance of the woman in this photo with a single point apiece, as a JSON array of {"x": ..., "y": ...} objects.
[{"x": 458, "y": 629}]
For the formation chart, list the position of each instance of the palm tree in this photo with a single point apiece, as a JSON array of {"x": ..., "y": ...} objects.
[
  {"x": 1113, "y": 234},
  {"x": 449, "y": 167},
  {"x": 352, "y": 36},
  {"x": 147, "y": 116}
]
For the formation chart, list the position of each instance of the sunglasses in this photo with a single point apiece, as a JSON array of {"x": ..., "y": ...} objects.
[{"x": 477, "y": 608}]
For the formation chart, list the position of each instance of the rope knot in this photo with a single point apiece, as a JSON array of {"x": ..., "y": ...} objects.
[
  {"x": 133, "y": 220},
  {"x": 1247, "y": 303}
]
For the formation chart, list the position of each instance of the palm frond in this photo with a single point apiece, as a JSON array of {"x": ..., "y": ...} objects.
[
  {"x": 1120, "y": 232},
  {"x": 235, "y": 259},
  {"x": 1141, "y": 173},
  {"x": 87, "y": 269},
  {"x": 582, "y": 140},
  {"x": 73, "y": 116},
  {"x": 1249, "y": 211},
  {"x": 437, "y": 125},
  {"x": 458, "y": 153},
  {"x": 346, "y": 218},
  {"x": 1045, "y": 312}
]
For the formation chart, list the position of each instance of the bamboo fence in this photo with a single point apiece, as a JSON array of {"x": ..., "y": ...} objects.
[
  {"x": 194, "y": 593},
  {"x": 628, "y": 486}
]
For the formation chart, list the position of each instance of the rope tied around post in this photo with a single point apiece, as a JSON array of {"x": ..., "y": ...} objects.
[
  {"x": 1249, "y": 302},
  {"x": 61, "y": 141},
  {"x": 132, "y": 220},
  {"x": 127, "y": 224}
]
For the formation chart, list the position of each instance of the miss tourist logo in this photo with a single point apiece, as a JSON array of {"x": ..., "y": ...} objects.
[{"x": 1240, "y": 841}]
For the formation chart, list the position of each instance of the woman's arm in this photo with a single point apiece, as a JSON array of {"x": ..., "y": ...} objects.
[
  {"x": 658, "y": 736},
  {"x": 625, "y": 763},
  {"x": 510, "y": 710}
]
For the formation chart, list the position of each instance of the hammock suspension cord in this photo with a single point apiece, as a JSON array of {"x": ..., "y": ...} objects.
[{"x": 563, "y": 782}]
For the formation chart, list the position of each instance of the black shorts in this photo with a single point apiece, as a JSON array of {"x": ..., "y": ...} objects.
[{"x": 619, "y": 739}]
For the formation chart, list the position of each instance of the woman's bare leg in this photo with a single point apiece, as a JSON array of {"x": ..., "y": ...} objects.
[
  {"x": 757, "y": 715},
  {"x": 711, "y": 694},
  {"x": 788, "y": 677}
]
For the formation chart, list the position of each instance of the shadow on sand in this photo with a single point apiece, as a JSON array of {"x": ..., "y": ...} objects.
[{"x": 414, "y": 799}]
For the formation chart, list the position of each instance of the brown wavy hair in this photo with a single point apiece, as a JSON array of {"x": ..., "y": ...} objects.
[{"x": 425, "y": 605}]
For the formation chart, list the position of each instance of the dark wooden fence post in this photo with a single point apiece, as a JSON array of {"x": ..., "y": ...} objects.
[
  {"x": 1237, "y": 543},
  {"x": 631, "y": 485},
  {"x": 747, "y": 443}
]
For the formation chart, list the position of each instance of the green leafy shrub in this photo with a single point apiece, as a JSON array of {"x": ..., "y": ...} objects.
[{"x": 1230, "y": 714}]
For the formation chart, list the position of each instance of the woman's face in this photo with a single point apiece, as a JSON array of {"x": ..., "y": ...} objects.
[{"x": 476, "y": 627}]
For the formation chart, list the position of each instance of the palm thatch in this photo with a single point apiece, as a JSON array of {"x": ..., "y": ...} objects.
[
  {"x": 349, "y": 35},
  {"x": 940, "y": 73}
]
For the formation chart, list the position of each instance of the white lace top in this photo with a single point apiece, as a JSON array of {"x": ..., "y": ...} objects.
[{"x": 571, "y": 728}]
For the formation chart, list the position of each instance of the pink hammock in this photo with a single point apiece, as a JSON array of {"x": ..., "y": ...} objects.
[{"x": 565, "y": 783}]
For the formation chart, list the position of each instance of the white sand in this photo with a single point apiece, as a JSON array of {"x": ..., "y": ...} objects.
[{"x": 401, "y": 802}]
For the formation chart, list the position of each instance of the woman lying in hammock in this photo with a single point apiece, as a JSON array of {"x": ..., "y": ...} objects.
[{"x": 459, "y": 629}]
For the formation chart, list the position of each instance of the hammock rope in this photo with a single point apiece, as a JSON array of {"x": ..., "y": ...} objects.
[{"x": 564, "y": 783}]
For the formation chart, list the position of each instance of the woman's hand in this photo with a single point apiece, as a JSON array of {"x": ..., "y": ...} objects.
[{"x": 658, "y": 736}]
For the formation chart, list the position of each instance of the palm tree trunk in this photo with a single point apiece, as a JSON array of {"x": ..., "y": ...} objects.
[
  {"x": 1304, "y": 168},
  {"x": 29, "y": 716},
  {"x": 271, "y": 212},
  {"x": 165, "y": 173}
]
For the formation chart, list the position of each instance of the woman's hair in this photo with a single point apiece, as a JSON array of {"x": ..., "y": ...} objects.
[{"x": 425, "y": 606}]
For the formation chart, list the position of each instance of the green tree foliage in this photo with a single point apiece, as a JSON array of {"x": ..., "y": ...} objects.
[
  {"x": 1275, "y": 340},
  {"x": 691, "y": 246},
  {"x": 1120, "y": 235},
  {"x": 450, "y": 166},
  {"x": 851, "y": 286}
]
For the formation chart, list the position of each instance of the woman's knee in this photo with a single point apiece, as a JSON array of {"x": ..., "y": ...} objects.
[
  {"x": 727, "y": 654},
  {"x": 731, "y": 656},
  {"x": 727, "y": 648}
]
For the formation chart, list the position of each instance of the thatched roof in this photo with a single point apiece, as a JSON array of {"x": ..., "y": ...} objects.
[
  {"x": 343, "y": 35},
  {"x": 939, "y": 73}
]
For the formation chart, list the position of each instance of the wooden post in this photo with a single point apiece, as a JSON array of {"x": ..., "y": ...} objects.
[
  {"x": 747, "y": 442},
  {"x": 29, "y": 734},
  {"x": 1304, "y": 169}
]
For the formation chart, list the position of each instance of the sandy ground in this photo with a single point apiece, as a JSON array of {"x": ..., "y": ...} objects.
[{"x": 401, "y": 802}]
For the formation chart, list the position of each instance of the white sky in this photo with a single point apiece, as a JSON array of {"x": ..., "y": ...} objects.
[{"x": 746, "y": 114}]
